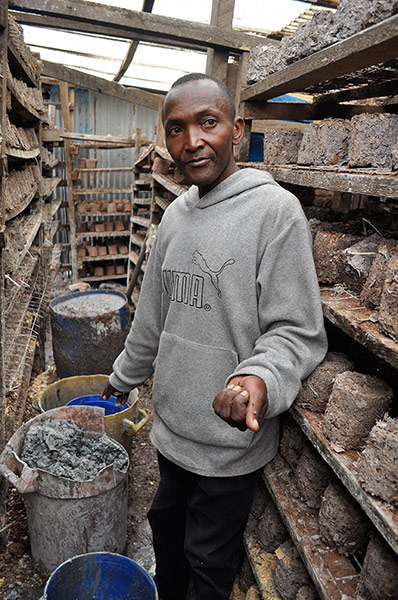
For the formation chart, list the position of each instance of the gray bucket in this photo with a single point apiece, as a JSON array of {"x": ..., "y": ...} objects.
[
  {"x": 88, "y": 331},
  {"x": 66, "y": 517}
]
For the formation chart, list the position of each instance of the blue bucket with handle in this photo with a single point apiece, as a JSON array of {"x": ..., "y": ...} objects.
[{"x": 100, "y": 575}]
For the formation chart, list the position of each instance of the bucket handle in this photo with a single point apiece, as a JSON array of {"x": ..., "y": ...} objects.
[
  {"x": 24, "y": 480},
  {"x": 134, "y": 428}
]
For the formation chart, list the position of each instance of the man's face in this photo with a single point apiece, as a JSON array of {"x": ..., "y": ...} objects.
[{"x": 200, "y": 133}]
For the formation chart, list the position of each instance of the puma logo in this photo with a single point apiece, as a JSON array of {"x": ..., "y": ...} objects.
[{"x": 198, "y": 259}]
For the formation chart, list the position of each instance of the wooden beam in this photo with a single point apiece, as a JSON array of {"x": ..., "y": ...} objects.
[
  {"x": 300, "y": 111},
  {"x": 222, "y": 13},
  {"x": 375, "y": 90},
  {"x": 90, "y": 82},
  {"x": 376, "y": 44},
  {"x": 91, "y": 17},
  {"x": 146, "y": 7}
]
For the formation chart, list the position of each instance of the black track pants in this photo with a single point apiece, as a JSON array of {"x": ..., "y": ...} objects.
[{"x": 197, "y": 524}]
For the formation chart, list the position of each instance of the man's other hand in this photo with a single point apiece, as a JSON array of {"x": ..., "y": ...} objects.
[{"x": 121, "y": 397}]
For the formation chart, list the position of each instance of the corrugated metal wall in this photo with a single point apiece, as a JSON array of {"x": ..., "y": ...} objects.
[{"x": 101, "y": 114}]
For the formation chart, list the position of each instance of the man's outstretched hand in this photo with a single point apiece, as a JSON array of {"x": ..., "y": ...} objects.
[
  {"x": 243, "y": 403},
  {"x": 121, "y": 397}
]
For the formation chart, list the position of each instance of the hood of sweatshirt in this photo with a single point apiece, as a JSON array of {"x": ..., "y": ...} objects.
[{"x": 239, "y": 182}]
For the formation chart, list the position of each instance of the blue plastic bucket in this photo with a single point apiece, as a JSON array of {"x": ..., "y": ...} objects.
[
  {"x": 96, "y": 400},
  {"x": 100, "y": 575}
]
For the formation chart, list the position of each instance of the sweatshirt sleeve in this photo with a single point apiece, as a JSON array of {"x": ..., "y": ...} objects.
[
  {"x": 135, "y": 363},
  {"x": 293, "y": 340}
]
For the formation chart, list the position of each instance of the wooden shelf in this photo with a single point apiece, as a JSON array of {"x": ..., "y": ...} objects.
[
  {"x": 333, "y": 575},
  {"x": 49, "y": 211},
  {"x": 106, "y": 170},
  {"x": 98, "y": 191},
  {"x": 136, "y": 239},
  {"x": 143, "y": 161},
  {"x": 348, "y": 314},
  {"x": 21, "y": 108},
  {"x": 162, "y": 202},
  {"x": 20, "y": 68},
  {"x": 262, "y": 564},
  {"x": 103, "y": 277},
  {"x": 48, "y": 185},
  {"x": 103, "y": 214},
  {"x": 383, "y": 515},
  {"x": 144, "y": 222},
  {"x": 134, "y": 259},
  {"x": 16, "y": 210},
  {"x": 22, "y": 154},
  {"x": 85, "y": 259},
  {"x": 168, "y": 182},
  {"x": 142, "y": 201},
  {"x": 142, "y": 182},
  {"x": 374, "y": 45},
  {"x": 95, "y": 234},
  {"x": 372, "y": 182}
]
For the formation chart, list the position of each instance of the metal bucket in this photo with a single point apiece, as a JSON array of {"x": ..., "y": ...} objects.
[
  {"x": 67, "y": 517},
  {"x": 121, "y": 426},
  {"x": 88, "y": 331},
  {"x": 102, "y": 576}
]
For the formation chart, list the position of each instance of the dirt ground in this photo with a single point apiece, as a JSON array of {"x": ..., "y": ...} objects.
[{"x": 19, "y": 579}]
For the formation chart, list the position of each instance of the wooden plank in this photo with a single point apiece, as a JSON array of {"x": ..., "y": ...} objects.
[
  {"x": 299, "y": 111},
  {"x": 20, "y": 68},
  {"x": 348, "y": 314},
  {"x": 168, "y": 182},
  {"x": 23, "y": 154},
  {"x": 20, "y": 106},
  {"x": 102, "y": 234},
  {"x": 17, "y": 209},
  {"x": 262, "y": 564},
  {"x": 123, "y": 140},
  {"x": 123, "y": 22},
  {"x": 98, "y": 84},
  {"x": 376, "y": 182},
  {"x": 162, "y": 202},
  {"x": 376, "y": 44},
  {"x": 107, "y": 170},
  {"x": 85, "y": 259},
  {"x": 48, "y": 185},
  {"x": 382, "y": 514},
  {"x": 103, "y": 277},
  {"x": 375, "y": 90},
  {"x": 146, "y": 7},
  {"x": 98, "y": 191},
  {"x": 333, "y": 575},
  {"x": 141, "y": 221},
  {"x": 217, "y": 60},
  {"x": 50, "y": 135}
]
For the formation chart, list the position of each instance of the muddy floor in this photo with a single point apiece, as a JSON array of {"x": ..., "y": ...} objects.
[{"x": 19, "y": 580}]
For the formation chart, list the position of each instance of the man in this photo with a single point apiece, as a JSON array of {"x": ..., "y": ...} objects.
[{"x": 230, "y": 321}]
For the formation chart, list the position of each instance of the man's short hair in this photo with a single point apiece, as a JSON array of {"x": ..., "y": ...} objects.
[{"x": 198, "y": 76}]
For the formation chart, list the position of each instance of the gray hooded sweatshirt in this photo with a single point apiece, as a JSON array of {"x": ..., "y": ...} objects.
[{"x": 230, "y": 288}]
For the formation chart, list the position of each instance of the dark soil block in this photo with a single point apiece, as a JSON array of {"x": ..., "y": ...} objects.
[
  {"x": 312, "y": 477},
  {"x": 307, "y": 592},
  {"x": 271, "y": 529},
  {"x": 379, "y": 574},
  {"x": 388, "y": 315},
  {"x": 292, "y": 443},
  {"x": 355, "y": 15},
  {"x": 394, "y": 158},
  {"x": 373, "y": 288},
  {"x": 378, "y": 463},
  {"x": 325, "y": 143},
  {"x": 355, "y": 404},
  {"x": 290, "y": 573},
  {"x": 281, "y": 146},
  {"x": 371, "y": 140},
  {"x": 311, "y": 37},
  {"x": 307, "y": 151},
  {"x": 342, "y": 524},
  {"x": 327, "y": 249},
  {"x": 317, "y": 388},
  {"x": 356, "y": 262},
  {"x": 262, "y": 62},
  {"x": 261, "y": 499}
]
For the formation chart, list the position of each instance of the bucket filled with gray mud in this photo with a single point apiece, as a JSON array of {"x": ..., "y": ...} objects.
[
  {"x": 88, "y": 331},
  {"x": 73, "y": 479}
]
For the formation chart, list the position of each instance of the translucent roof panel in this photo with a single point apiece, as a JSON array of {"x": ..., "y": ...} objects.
[{"x": 154, "y": 67}]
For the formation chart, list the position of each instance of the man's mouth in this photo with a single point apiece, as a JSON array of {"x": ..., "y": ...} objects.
[{"x": 197, "y": 162}]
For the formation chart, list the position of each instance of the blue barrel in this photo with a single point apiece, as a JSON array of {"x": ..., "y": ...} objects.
[
  {"x": 88, "y": 331},
  {"x": 96, "y": 400},
  {"x": 100, "y": 575}
]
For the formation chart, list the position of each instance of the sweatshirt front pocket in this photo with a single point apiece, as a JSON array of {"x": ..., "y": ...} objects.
[{"x": 188, "y": 375}]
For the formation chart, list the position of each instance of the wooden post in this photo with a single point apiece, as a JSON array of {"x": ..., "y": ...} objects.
[
  {"x": 222, "y": 13},
  {"x": 68, "y": 162},
  {"x": 3, "y": 174}
]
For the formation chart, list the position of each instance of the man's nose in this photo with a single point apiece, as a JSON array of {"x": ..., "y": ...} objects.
[{"x": 193, "y": 139}]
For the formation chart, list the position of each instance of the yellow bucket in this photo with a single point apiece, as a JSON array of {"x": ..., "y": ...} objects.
[{"x": 120, "y": 426}]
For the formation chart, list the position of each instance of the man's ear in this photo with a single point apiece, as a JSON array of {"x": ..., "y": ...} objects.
[{"x": 239, "y": 126}]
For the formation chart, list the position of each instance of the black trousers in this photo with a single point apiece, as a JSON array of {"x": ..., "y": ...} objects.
[{"x": 197, "y": 524}]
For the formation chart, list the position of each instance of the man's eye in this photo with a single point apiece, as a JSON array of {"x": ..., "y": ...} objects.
[
  {"x": 209, "y": 122},
  {"x": 174, "y": 130}
]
